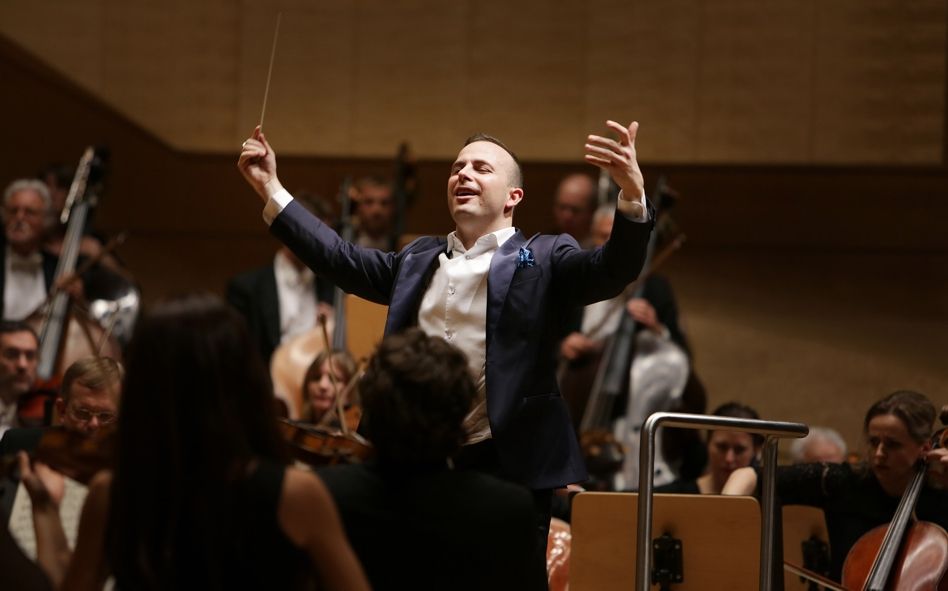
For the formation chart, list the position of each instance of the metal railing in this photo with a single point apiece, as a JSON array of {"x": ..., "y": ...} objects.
[{"x": 773, "y": 432}]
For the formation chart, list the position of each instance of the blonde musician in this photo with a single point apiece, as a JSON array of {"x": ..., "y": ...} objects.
[{"x": 325, "y": 380}]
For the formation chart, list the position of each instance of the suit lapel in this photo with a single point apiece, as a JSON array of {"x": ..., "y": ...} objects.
[
  {"x": 502, "y": 268},
  {"x": 414, "y": 274}
]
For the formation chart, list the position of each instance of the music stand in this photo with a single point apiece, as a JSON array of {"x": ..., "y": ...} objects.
[
  {"x": 800, "y": 524},
  {"x": 720, "y": 540}
]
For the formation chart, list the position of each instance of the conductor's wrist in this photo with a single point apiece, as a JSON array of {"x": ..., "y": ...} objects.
[
  {"x": 272, "y": 187},
  {"x": 631, "y": 206}
]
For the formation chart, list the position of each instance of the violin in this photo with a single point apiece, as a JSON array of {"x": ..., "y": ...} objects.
[
  {"x": 76, "y": 455},
  {"x": 320, "y": 446},
  {"x": 906, "y": 554}
]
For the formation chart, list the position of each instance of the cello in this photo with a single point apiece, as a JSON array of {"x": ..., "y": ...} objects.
[{"x": 906, "y": 554}]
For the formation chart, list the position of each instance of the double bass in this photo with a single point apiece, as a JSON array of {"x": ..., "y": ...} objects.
[
  {"x": 659, "y": 367},
  {"x": 67, "y": 331}
]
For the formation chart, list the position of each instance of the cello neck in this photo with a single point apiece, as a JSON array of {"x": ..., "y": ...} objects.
[
  {"x": 892, "y": 542},
  {"x": 56, "y": 316}
]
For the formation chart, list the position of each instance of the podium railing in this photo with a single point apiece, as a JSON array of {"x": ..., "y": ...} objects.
[{"x": 773, "y": 431}]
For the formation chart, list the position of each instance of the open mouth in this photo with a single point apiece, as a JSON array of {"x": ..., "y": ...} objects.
[{"x": 465, "y": 192}]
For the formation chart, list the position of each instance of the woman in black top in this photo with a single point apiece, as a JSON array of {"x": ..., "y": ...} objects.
[
  {"x": 727, "y": 452},
  {"x": 856, "y": 499},
  {"x": 200, "y": 496}
]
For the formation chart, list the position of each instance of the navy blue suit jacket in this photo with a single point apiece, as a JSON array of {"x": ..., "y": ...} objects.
[{"x": 529, "y": 420}]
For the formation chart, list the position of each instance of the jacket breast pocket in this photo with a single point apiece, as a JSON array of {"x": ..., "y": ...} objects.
[{"x": 527, "y": 274}]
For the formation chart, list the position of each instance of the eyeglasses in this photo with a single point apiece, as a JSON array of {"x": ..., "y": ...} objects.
[{"x": 85, "y": 415}]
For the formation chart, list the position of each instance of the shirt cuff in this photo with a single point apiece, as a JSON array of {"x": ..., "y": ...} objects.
[
  {"x": 635, "y": 211},
  {"x": 275, "y": 205}
]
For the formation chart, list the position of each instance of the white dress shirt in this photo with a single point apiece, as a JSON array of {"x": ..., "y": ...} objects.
[
  {"x": 455, "y": 308},
  {"x": 296, "y": 294},
  {"x": 24, "y": 288}
]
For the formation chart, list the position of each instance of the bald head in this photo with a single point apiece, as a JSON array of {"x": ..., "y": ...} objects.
[
  {"x": 511, "y": 162},
  {"x": 574, "y": 205}
]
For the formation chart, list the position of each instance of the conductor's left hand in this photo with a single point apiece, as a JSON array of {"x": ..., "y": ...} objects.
[{"x": 617, "y": 157}]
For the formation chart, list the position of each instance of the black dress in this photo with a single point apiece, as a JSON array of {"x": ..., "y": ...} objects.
[
  {"x": 853, "y": 503},
  {"x": 428, "y": 527},
  {"x": 251, "y": 552}
]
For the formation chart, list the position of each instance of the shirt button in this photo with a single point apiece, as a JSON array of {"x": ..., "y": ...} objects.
[
  {"x": 451, "y": 290},
  {"x": 467, "y": 256}
]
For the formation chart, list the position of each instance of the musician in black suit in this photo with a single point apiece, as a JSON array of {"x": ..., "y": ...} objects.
[{"x": 283, "y": 298}]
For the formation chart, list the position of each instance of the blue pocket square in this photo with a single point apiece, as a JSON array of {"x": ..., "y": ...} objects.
[{"x": 526, "y": 258}]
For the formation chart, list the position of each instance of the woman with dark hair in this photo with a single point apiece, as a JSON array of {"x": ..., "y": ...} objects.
[
  {"x": 856, "y": 499},
  {"x": 727, "y": 451},
  {"x": 414, "y": 520},
  {"x": 200, "y": 496},
  {"x": 325, "y": 379}
]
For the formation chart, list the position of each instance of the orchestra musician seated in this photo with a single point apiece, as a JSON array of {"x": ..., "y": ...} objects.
[
  {"x": 821, "y": 444},
  {"x": 410, "y": 516},
  {"x": 88, "y": 400},
  {"x": 200, "y": 495},
  {"x": 855, "y": 499},
  {"x": 58, "y": 180},
  {"x": 326, "y": 378},
  {"x": 727, "y": 452},
  {"x": 283, "y": 298},
  {"x": 18, "y": 358}
]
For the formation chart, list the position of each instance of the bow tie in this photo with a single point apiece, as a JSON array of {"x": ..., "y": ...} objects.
[{"x": 26, "y": 264}]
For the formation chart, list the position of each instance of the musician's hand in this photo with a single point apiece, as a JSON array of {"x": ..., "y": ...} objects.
[
  {"x": 257, "y": 162},
  {"x": 324, "y": 310},
  {"x": 45, "y": 486},
  {"x": 618, "y": 158},
  {"x": 742, "y": 482},
  {"x": 576, "y": 345},
  {"x": 644, "y": 314},
  {"x": 71, "y": 284},
  {"x": 938, "y": 466}
]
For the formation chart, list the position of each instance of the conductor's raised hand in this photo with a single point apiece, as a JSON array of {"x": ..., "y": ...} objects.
[
  {"x": 617, "y": 157},
  {"x": 257, "y": 162}
]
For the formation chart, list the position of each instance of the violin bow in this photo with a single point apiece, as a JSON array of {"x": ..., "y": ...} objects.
[{"x": 338, "y": 402}]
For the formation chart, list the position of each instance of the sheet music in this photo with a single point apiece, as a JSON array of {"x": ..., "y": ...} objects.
[{"x": 21, "y": 516}]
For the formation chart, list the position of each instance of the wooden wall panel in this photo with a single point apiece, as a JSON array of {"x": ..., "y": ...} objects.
[
  {"x": 754, "y": 81},
  {"x": 879, "y": 92},
  {"x": 172, "y": 66},
  {"x": 637, "y": 70},
  {"x": 718, "y": 81}
]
